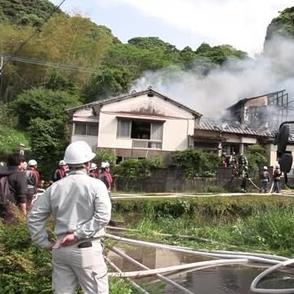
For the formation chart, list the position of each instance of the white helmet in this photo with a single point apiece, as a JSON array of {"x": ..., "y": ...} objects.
[
  {"x": 93, "y": 166},
  {"x": 104, "y": 164},
  {"x": 277, "y": 166},
  {"x": 78, "y": 152},
  {"x": 62, "y": 163},
  {"x": 265, "y": 167},
  {"x": 32, "y": 162}
]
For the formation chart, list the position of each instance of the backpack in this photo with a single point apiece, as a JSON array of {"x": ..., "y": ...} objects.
[{"x": 5, "y": 192}]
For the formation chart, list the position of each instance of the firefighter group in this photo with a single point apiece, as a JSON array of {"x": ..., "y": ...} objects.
[{"x": 239, "y": 166}]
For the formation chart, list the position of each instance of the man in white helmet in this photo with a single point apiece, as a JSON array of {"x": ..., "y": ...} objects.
[
  {"x": 61, "y": 171},
  {"x": 105, "y": 175},
  {"x": 277, "y": 179},
  {"x": 264, "y": 180},
  {"x": 93, "y": 172},
  {"x": 33, "y": 181},
  {"x": 81, "y": 208}
]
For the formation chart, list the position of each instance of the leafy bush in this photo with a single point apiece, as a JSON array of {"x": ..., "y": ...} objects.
[
  {"x": 10, "y": 139},
  {"x": 24, "y": 268},
  {"x": 256, "y": 156},
  {"x": 196, "y": 163},
  {"x": 105, "y": 155},
  {"x": 137, "y": 168}
]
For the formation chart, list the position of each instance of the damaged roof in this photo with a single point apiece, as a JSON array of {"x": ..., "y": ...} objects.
[
  {"x": 244, "y": 100},
  {"x": 132, "y": 95},
  {"x": 224, "y": 127}
]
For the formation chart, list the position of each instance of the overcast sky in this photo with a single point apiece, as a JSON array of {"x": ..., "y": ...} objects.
[{"x": 240, "y": 23}]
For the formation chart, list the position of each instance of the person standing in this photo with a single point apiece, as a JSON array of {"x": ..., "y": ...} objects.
[
  {"x": 93, "y": 172},
  {"x": 277, "y": 179},
  {"x": 244, "y": 178},
  {"x": 61, "y": 171},
  {"x": 17, "y": 187},
  {"x": 264, "y": 180},
  {"x": 81, "y": 209},
  {"x": 33, "y": 181},
  {"x": 105, "y": 175}
]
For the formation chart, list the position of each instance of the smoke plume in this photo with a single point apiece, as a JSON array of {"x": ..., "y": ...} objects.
[{"x": 223, "y": 86}]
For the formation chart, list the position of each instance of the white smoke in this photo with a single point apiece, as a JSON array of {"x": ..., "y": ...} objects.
[{"x": 212, "y": 94}]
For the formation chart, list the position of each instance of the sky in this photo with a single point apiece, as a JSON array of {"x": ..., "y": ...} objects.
[{"x": 240, "y": 23}]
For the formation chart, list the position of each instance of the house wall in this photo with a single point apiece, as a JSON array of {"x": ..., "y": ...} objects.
[
  {"x": 85, "y": 115},
  {"x": 240, "y": 113},
  {"x": 260, "y": 101},
  {"x": 178, "y": 123}
]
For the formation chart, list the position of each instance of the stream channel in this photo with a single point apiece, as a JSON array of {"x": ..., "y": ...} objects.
[{"x": 232, "y": 279}]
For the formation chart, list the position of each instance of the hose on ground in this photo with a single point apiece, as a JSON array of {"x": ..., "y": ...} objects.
[{"x": 271, "y": 269}]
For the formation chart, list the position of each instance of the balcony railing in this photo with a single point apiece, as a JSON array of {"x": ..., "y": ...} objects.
[{"x": 146, "y": 144}]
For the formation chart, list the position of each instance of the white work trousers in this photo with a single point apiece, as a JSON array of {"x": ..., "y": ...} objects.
[{"x": 73, "y": 266}]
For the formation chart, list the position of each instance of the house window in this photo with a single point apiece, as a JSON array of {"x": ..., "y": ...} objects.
[
  {"x": 141, "y": 130},
  {"x": 123, "y": 128},
  {"x": 86, "y": 129},
  {"x": 146, "y": 134}
]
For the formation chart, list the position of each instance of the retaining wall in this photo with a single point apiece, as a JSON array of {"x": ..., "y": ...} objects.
[{"x": 173, "y": 180}]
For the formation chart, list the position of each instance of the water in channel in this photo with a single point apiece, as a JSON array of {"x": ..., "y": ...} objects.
[{"x": 232, "y": 279}]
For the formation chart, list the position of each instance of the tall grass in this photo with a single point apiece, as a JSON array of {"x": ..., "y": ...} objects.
[{"x": 256, "y": 224}]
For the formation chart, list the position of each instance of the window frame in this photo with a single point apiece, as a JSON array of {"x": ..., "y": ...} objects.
[{"x": 87, "y": 125}]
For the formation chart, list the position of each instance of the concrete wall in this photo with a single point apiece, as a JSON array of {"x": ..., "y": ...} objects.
[{"x": 173, "y": 180}]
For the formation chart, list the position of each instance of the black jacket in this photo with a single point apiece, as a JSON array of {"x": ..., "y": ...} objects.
[{"x": 17, "y": 183}]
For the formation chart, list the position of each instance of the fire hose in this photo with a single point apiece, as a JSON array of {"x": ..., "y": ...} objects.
[
  {"x": 250, "y": 180},
  {"x": 271, "y": 269}
]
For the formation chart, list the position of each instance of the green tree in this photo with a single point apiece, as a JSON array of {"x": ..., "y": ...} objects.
[
  {"x": 219, "y": 54},
  {"x": 74, "y": 45},
  {"x": 109, "y": 82},
  {"x": 282, "y": 25},
  {"x": 48, "y": 142},
  {"x": 187, "y": 56},
  {"x": 26, "y": 11},
  {"x": 42, "y": 113},
  {"x": 42, "y": 103}
]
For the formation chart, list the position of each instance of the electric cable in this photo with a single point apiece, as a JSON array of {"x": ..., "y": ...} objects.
[
  {"x": 49, "y": 64},
  {"x": 33, "y": 34}
]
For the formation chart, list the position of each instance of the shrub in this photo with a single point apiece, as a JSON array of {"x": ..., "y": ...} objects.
[
  {"x": 105, "y": 155},
  {"x": 136, "y": 168},
  {"x": 256, "y": 156},
  {"x": 196, "y": 163}
]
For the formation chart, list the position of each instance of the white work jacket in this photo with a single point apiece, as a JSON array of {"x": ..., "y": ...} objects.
[{"x": 78, "y": 204}]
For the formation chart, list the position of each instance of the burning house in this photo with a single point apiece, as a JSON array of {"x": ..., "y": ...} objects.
[
  {"x": 146, "y": 124},
  {"x": 266, "y": 111}
]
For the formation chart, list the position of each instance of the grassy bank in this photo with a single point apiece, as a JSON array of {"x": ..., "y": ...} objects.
[
  {"x": 260, "y": 223},
  {"x": 248, "y": 223}
]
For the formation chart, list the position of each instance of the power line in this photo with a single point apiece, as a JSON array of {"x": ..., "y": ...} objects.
[
  {"x": 33, "y": 34},
  {"x": 35, "y": 61}
]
